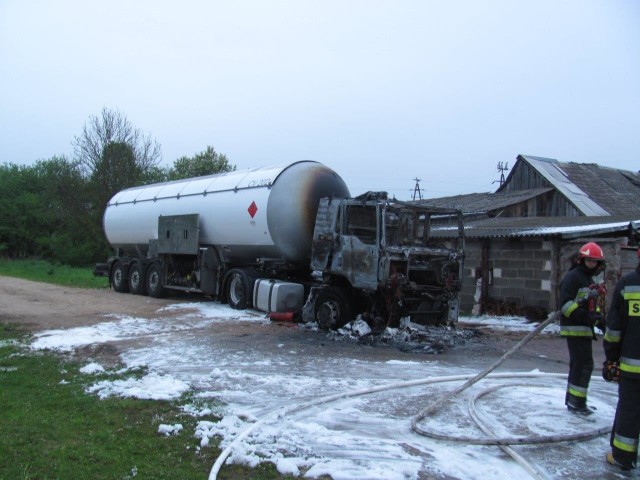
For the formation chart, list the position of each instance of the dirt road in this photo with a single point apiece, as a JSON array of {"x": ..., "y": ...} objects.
[
  {"x": 39, "y": 306},
  {"x": 285, "y": 364}
]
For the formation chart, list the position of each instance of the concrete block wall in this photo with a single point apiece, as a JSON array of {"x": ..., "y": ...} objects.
[
  {"x": 527, "y": 272},
  {"x": 520, "y": 272}
]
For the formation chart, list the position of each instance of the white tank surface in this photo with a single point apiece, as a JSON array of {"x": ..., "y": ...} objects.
[{"x": 245, "y": 214}]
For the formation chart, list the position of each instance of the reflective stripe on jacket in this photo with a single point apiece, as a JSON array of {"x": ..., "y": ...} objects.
[
  {"x": 574, "y": 288},
  {"x": 622, "y": 337}
]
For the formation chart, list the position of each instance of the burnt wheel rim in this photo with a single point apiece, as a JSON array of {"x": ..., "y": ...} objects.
[{"x": 329, "y": 313}]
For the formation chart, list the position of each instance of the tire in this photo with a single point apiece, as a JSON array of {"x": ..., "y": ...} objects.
[
  {"x": 332, "y": 310},
  {"x": 238, "y": 289},
  {"x": 154, "y": 280},
  {"x": 118, "y": 278},
  {"x": 137, "y": 280}
]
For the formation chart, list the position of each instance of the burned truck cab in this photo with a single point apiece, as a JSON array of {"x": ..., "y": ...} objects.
[{"x": 376, "y": 257}]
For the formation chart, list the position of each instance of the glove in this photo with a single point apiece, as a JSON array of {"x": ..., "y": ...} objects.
[
  {"x": 611, "y": 371},
  {"x": 584, "y": 301},
  {"x": 580, "y": 315},
  {"x": 593, "y": 293}
]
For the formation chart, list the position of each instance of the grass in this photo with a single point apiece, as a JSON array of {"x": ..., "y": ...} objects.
[
  {"x": 51, "y": 429},
  {"x": 43, "y": 271}
]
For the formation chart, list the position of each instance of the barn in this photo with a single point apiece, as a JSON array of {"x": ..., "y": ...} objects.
[{"x": 520, "y": 239}]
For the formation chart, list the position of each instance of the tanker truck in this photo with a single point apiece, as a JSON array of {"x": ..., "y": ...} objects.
[{"x": 286, "y": 240}]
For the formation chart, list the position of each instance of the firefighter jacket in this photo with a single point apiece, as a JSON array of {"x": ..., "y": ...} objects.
[
  {"x": 574, "y": 290},
  {"x": 622, "y": 337}
]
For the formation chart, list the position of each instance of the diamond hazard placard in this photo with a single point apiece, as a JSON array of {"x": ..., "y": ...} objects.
[{"x": 253, "y": 208}]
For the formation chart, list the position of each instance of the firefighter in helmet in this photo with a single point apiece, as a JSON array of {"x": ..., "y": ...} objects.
[
  {"x": 622, "y": 349},
  {"x": 577, "y": 322}
]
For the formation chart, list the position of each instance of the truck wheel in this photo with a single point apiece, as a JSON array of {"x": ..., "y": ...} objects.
[
  {"x": 154, "y": 281},
  {"x": 238, "y": 290},
  {"x": 332, "y": 310},
  {"x": 119, "y": 278},
  {"x": 137, "y": 284}
]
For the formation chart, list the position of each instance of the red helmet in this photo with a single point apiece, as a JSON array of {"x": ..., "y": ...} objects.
[{"x": 591, "y": 250}]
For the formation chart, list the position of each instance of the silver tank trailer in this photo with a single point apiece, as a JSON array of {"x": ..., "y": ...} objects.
[{"x": 265, "y": 212}]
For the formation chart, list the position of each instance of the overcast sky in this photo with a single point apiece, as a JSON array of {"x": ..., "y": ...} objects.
[{"x": 382, "y": 91}]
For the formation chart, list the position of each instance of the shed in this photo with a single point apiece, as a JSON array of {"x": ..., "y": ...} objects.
[{"x": 521, "y": 238}]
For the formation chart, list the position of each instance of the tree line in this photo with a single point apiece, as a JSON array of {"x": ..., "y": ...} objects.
[{"x": 53, "y": 209}]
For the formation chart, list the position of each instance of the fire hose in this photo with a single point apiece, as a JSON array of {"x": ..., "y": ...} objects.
[{"x": 470, "y": 380}]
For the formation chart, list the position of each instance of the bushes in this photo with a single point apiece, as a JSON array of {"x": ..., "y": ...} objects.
[{"x": 46, "y": 212}]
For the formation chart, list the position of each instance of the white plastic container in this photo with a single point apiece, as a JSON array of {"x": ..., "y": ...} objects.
[{"x": 277, "y": 296}]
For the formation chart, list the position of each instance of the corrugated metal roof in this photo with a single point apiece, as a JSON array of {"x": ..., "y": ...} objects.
[
  {"x": 615, "y": 190},
  {"x": 484, "y": 202},
  {"x": 592, "y": 189},
  {"x": 609, "y": 198},
  {"x": 560, "y": 227},
  {"x": 633, "y": 177},
  {"x": 555, "y": 174}
]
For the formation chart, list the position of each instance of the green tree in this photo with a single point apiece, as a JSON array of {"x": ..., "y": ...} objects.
[
  {"x": 112, "y": 155},
  {"x": 44, "y": 213},
  {"x": 112, "y": 127},
  {"x": 155, "y": 175},
  {"x": 20, "y": 211},
  {"x": 115, "y": 170},
  {"x": 206, "y": 162},
  {"x": 74, "y": 237}
]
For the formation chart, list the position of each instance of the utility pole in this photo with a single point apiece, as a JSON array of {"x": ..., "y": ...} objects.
[
  {"x": 502, "y": 168},
  {"x": 416, "y": 190}
]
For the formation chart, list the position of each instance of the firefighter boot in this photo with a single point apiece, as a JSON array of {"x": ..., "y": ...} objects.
[
  {"x": 581, "y": 409},
  {"x": 615, "y": 463}
]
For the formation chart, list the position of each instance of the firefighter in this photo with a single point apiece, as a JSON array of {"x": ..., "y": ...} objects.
[
  {"x": 622, "y": 350},
  {"x": 577, "y": 322}
]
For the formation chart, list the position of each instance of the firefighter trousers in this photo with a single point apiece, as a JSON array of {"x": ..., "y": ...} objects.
[
  {"x": 626, "y": 426},
  {"x": 580, "y": 370}
]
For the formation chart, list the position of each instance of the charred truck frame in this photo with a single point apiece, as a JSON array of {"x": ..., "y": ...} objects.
[{"x": 287, "y": 239}]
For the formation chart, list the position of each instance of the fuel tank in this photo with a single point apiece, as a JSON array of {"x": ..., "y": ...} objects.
[{"x": 246, "y": 214}]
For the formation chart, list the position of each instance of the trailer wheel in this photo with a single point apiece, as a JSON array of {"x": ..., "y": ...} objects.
[
  {"x": 332, "y": 309},
  {"x": 137, "y": 283},
  {"x": 154, "y": 281},
  {"x": 118, "y": 278},
  {"x": 238, "y": 289}
]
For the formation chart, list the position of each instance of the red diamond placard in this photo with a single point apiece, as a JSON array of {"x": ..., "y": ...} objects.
[{"x": 253, "y": 208}]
